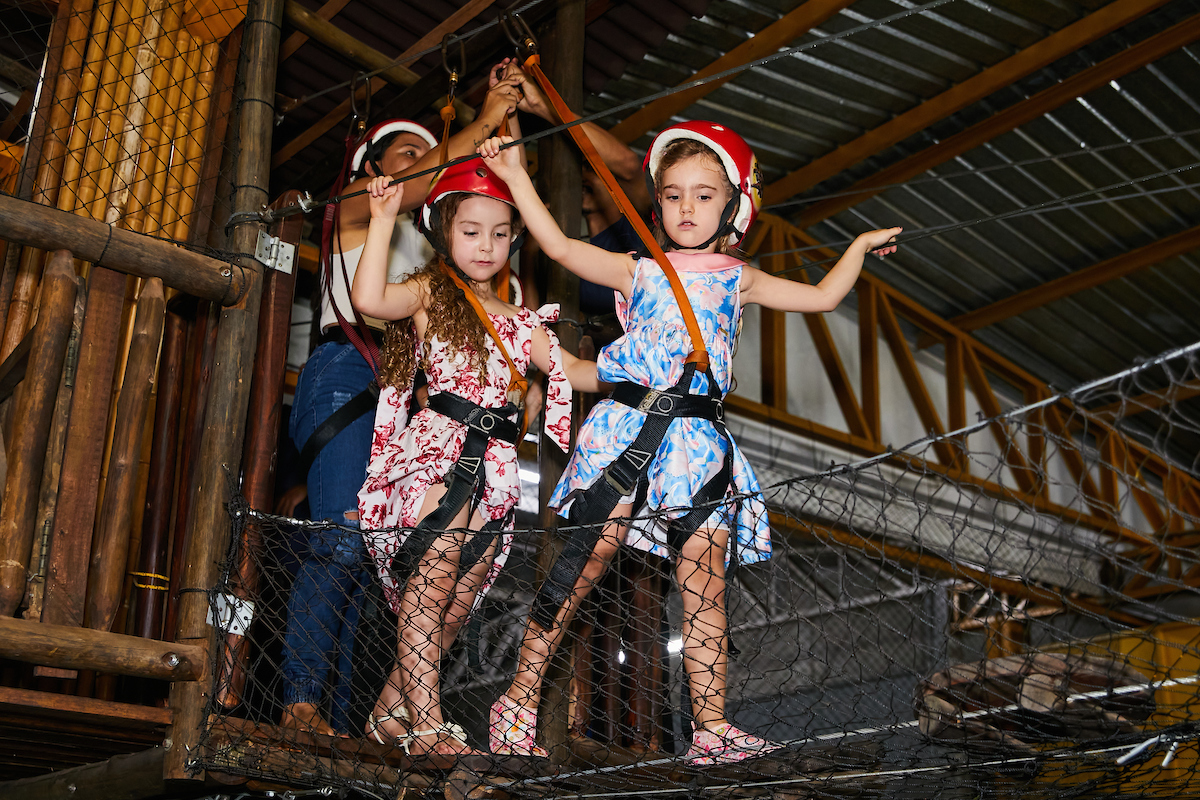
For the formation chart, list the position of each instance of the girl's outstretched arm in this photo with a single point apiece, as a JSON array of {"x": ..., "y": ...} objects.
[
  {"x": 581, "y": 374},
  {"x": 782, "y": 294},
  {"x": 371, "y": 293},
  {"x": 614, "y": 270}
]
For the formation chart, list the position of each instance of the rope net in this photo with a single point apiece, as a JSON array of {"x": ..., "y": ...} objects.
[{"x": 1005, "y": 609}]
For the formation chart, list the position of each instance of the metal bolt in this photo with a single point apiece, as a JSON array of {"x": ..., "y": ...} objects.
[
  {"x": 171, "y": 659},
  {"x": 225, "y": 273}
]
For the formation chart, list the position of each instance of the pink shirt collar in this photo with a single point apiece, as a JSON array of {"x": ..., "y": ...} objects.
[{"x": 702, "y": 262}]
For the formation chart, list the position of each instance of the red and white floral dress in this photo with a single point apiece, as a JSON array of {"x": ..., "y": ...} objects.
[{"x": 406, "y": 461}]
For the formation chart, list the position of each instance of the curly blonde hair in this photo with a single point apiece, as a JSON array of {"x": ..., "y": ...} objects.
[
  {"x": 681, "y": 150},
  {"x": 451, "y": 316}
]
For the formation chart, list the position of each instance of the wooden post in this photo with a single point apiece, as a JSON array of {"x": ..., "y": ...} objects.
[
  {"x": 33, "y": 415},
  {"x": 204, "y": 346},
  {"x": 151, "y": 584},
  {"x": 221, "y": 445},
  {"x": 46, "y": 186},
  {"x": 560, "y": 180},
  {"x": 52, "y": 471},
  {"x": 110, "y": 550},
  {"x": 133, "y": 776},
  {"x": 262, "y": 439},
  {"x": 70, "y": 543}
]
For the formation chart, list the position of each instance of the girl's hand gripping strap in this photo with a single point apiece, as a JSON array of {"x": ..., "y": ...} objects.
[
  {"x": 518, "y": 386},
  {"x": 699, "y": 354}
]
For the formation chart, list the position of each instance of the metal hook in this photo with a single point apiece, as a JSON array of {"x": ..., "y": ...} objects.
[
  {"x": 518, "y": 32},
  {"x": 358, "y": 120},
  {"x": 454, "y": 72}
]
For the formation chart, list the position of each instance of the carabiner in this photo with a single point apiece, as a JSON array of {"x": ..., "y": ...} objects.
[
  {"x": 518, "y": 32},
  {"x": 358, "y": 119},
  {"x": 454, "y": 72}
]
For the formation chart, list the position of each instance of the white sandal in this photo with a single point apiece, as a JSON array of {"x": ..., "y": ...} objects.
[{"x": 374, "y": 723}]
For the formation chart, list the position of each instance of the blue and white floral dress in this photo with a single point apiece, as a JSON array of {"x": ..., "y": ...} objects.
[{"x": 652, "y": 353}]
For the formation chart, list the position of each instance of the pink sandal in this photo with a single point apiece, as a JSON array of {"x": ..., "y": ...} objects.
[
  {"x": 511, "y": 729},
  {"x": 726, "y": 744}
]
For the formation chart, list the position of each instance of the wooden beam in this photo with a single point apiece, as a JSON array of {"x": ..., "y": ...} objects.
[
  {"x": 899, "y": 128},
  {"x": 778, "y": 34},
  {"x": 294, "y": 42},
  {"x": 366, "y": 57},
  {"x": 940, "y": 567},
  {"x": 855, "y": 444},
  {"x": 68, "y": 647},
  {"x": 451, "y": 24},
  {"x": 868, "y": 356},
  {"x": 907, "y": 364},
  {"x": 1040, "y": 104},
  {"x": 1080, "y": 280},
  {"x": 36, "y": 225},
  {"x": 1010, "y": 453},
  {"x": 127, "y": 777}
]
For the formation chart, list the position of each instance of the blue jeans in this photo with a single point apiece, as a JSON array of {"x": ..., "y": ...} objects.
[{"x": 327, "y": 595}]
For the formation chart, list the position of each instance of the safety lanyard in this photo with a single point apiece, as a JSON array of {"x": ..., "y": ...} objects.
[
  {"x": 517, "y": 384},
  {"x": 699, "y": 354}
]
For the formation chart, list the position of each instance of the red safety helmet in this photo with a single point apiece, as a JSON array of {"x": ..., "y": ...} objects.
[
  {"x": 467, "y": 177},
  {"x": 736, "y": 156},
  {"x": 369, "y": 149}
]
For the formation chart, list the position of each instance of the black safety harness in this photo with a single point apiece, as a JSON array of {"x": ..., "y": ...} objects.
[
  {"x": 464, "y": 483},
  {"x": 593, "y": 506}
]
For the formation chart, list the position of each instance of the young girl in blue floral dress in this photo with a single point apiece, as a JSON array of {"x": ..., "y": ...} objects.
[{"x": 706, "y": 195}]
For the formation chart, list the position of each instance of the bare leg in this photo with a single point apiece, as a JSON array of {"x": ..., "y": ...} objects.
[
  {"x": 701, "y": 577},
  {"x": 539, "y": 645},
  {"x": 700, "y": 573}
]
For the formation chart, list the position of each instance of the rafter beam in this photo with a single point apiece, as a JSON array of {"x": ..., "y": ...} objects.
[
  {"x": 943, "y": 568},
  {"x": 294, "y": 42},
  {"x": 778, "y": 34},
  {"x": 1087, "y": 278},
  {"x": 1013, "y": 68},
  {"x": 337, "y": 115},
  {"x": 1034, "y": 107},
  {"x": 366, "y": 57}
]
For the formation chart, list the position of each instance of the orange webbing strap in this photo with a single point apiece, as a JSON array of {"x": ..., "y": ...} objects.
[
  {"x": 517, "y": 383},
  {"x": 699, "y": 354}
]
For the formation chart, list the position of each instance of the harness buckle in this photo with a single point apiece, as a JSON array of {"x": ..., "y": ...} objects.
[
  {"x": 623, "y": 491},
  {"x": 719, "y": 411},
  {"x": 657, "y": 402}
]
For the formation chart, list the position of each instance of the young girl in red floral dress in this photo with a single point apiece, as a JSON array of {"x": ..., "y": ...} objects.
[{"x": 472, "y": 223}]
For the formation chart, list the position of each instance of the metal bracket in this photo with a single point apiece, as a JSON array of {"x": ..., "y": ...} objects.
[{"x": 274, "y": 253}]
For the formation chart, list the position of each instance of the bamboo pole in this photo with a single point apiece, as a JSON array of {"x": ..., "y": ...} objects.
[
  {"x": 221, "y": 445},
  {"x": 34, "y": 413},
  {"x": 52, "y": 472},
  {"x": 220, "y": 112},
  {"x": 160, "y": 161},
  {"x": 120, "y": 92},
  {"x": 47, "y": 185},
  {"x": 111, "y": 546},
  {"x": 150, "y": 582},
  {"x": 152, "y": 134},
  {"x": 42, "y": 227},
  {"x": 97, "y": 125},
  {"x": 173, "y": 194},
  {"x": 193, "y": 146}
]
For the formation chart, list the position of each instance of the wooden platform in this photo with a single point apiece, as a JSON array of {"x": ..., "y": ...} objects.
[
  {"x": 266, "y": 753},
  {"x": 42, "y": 732}
]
